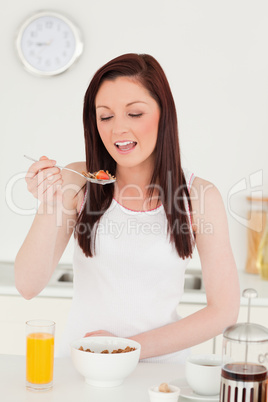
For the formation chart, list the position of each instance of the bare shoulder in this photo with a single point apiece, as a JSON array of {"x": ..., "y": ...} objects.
[
  {"x": 203, "y": 190},
  {"x": 207, "y": 203},
  {"x": 71, "y": 177},
  {"x": 73, "y": 184}
]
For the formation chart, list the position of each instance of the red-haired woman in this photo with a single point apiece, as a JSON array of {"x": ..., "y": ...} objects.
[{"x": 133, "y": 238}]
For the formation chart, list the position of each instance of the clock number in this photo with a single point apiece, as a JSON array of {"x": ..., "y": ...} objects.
[
  {"x": 33, "y": 34},
  {"x": 49, "y": 24}
]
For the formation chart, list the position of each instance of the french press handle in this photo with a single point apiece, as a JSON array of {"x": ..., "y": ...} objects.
[{"x": 249, "y": 294}]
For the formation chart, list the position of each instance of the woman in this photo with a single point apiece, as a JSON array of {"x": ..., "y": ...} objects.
[{"x": 134, "y": 238}]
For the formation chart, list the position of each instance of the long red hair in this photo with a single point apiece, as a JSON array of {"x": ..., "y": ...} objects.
[{"x": 167, "y": 172}]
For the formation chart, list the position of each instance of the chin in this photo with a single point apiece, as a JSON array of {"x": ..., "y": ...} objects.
[{"x": 131, "y": 160}]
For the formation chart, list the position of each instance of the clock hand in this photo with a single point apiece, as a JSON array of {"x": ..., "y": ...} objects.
[
  {"x": 44, "y": 43},
  {"x": 43, "y": 46}
]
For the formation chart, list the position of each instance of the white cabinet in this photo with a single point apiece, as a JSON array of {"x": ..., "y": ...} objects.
[{"x": 15, "y": 311}]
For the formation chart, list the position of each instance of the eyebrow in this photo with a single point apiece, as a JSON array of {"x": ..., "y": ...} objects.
[{"x": 129, "y": 104}]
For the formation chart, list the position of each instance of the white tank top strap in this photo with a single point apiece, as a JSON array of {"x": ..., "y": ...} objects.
[
  {"x": 189, "y": 178},
  {"x": 83, "y": 203}
]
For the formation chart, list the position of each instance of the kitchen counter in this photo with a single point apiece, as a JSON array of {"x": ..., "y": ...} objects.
[
  {"x": 70, "y": 386},
  {"x": 56, "y": 288}
]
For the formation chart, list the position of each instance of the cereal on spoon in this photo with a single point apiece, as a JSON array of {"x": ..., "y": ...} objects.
[{"x": 100, "y": 175}]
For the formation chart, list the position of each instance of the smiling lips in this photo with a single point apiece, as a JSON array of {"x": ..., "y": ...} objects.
[{"x": 125, "y": 146}]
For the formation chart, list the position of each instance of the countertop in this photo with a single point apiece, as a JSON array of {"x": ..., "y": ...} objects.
[
  {"x": 65, "y": 289},
  {"x": 70, "y": 386}
]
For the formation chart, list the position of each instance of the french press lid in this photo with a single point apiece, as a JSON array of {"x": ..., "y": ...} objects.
[{"x": 247, "y": 332}]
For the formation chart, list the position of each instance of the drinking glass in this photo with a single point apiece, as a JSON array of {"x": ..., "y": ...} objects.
[{"x": 39, "y": 354}]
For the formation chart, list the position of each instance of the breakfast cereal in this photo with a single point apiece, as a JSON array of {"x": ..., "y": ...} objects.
[{"x": 106, "y": 351}]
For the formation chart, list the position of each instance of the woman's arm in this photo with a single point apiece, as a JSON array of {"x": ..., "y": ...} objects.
[
  {"x": 219, "y": 275},
  {"x": 51, "y": 228}
]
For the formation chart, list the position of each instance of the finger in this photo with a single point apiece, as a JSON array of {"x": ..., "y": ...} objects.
[
  {"x": 42, "y": 180},
  {"x": 40, "y": 165},
  {"x": 43, "y": 173},
  {"x": 34, "y": 180},
  {"x": 47, "y": 182},
  {"x": 46, "y": 192},
  {"x": 51, "y": 179},
  {"x": 94, "y": 333},
  {"x": 51, "y": 190},
  {"x": 47, "y": 174},
  {"x": 98, "y": 333}
]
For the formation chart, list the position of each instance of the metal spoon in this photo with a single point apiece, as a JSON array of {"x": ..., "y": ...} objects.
[{"x": 80, "y": 174}]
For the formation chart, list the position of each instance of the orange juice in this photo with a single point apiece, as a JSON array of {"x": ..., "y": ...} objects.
[{"x": 39, "y": 358}]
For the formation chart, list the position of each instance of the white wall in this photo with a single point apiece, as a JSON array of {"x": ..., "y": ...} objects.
[{"x": 215, "y": 57}]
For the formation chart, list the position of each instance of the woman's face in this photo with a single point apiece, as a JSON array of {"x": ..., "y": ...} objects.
[{"x": 127, "y": 121}]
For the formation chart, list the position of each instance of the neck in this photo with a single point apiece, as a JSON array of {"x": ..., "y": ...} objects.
[
  {"x": 136, "y": 176},
  {"x": 131, "y": 188}
]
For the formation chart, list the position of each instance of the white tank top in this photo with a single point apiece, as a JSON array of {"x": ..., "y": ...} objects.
[{"x": 133, "y": 283}]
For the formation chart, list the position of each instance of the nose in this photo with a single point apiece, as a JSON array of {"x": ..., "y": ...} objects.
[{"x": 119, "y": 126}]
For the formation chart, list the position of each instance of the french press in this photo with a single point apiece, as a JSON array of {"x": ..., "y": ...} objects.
[{"x": 244, "y": 375}]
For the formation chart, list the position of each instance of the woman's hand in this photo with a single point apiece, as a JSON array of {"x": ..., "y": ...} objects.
[
  {"x": 98, "y": 333},
  {"x": 44, "y": 180}
]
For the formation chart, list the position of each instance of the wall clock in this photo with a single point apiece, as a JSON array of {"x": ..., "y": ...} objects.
[{"x": 48, "y": 43}]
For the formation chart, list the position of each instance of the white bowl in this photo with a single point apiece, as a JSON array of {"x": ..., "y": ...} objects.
[
  {"x": 157, "y": 396},
  {"x": 104, "y": 370},
  {"x": 203, "y": 373}
]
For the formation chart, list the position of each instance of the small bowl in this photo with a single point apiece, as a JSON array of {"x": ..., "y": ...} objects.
[
  {"x": 100, "y": 369},
  {"x": 157, "y": 396}
]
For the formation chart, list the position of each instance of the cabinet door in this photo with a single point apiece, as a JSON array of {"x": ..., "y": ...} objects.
[
  {"x": 187, "y": 309},
  {"x": 15, "y": 311}
]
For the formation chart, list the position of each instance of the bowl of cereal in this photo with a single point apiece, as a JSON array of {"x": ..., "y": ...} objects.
[{"x": 105, "y": 361}]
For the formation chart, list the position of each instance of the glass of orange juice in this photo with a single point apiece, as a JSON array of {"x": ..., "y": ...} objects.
[{"x": 39, "y": 354}]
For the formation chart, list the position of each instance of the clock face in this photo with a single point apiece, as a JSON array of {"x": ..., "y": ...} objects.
[{"x": 48, "y": 44}]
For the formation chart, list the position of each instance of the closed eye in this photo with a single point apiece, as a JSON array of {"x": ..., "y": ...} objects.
[
  {"x": 105, "y": 118},
  {"x": 135, "y": 115}
]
